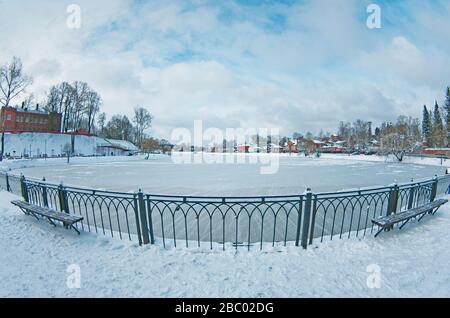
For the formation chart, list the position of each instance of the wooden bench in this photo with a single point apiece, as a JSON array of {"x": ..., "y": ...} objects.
[
  {"x": 387, "y": 222},
  {"x": 50, "y": 214}
]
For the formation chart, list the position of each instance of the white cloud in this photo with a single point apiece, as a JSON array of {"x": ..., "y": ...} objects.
[{"x": 185, "y": 61}]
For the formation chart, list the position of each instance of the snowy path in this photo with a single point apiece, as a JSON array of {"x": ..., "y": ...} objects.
[{"x": 34, "y": 258}]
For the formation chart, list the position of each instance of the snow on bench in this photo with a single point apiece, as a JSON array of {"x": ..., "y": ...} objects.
[
  {"x": 387, "y": 222},
  {"x": 50, "y": 214}
]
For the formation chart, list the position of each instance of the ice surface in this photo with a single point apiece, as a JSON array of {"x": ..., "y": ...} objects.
[{"x": 160, "y": 175}]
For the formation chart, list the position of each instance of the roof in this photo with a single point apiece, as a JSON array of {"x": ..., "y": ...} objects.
[
  {"x": 446, "y": 149},
  {"x": 120, "y": 144},
  {"x": 30, "y": 111}
]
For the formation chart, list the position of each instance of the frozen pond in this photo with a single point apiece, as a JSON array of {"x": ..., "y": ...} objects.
[
  {"x": 217, "y": 222},
  {"x": 160, "y": 175}
]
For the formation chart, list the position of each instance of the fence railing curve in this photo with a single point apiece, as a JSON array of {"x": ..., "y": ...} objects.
[{"x": 227, "y": 221}]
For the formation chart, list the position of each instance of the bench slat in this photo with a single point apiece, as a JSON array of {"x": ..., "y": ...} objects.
[
  {"x": 50, "y": 213},
  {"x": 389, "y": 220}
]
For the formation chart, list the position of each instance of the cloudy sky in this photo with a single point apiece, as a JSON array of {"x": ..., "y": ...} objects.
[{"x": 298, "y": 65}]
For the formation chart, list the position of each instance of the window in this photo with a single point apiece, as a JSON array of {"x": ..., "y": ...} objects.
[{"x": 8, "y": 116}]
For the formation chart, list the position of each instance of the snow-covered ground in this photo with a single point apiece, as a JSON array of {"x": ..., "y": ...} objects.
[
  {"x": 391, "y": 159},
  {"x": 38, "y": 260}
]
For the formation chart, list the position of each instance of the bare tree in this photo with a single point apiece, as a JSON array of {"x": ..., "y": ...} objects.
[
  {"x": 78, "y": 104},
  {"x": 143, "y": 121},
  {"x": 53, "y": 99},
  {"x": 79, "y": 94},
  {"x": 59, "y": 100},
  {"x": 29, "y": 101},
  {"x": 93, "y": 102},
  {"x": 101, "y": 122},
  {"x": 361, "y": 133},
  {"x": 119, "y": 127},
  {"x": 400, "y": 138},
  {"x": 13, "y": 81}
]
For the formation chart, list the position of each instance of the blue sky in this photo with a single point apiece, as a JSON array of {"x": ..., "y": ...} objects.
[{"x": 297, "y": 65}]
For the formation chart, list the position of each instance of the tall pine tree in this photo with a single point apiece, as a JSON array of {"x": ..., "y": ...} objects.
[
  {"x": 426, "y": 125},
  {"x": 438, "y": 131}
]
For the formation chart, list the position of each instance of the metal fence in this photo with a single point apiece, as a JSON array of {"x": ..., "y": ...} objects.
[{"x": 236, "y": 221}]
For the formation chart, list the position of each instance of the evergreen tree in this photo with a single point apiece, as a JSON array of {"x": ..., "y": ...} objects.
[
  {"x": 438, "y": 131},
  {"x": 426, "y": 125}
]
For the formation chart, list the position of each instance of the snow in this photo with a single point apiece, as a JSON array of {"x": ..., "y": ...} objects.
[
  {"x": 161, "y": 174},
  {"x": 36, "y": 257},
  {"x": 53, "y": 144},
  {"x": 407, "y": 159}
]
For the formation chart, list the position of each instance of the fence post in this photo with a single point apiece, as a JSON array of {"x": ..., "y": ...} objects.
[
  {"x": 411, "y": 196},
  {"x": 44, "y": 193},
  {"x": 136, "y": 214},
  {"x": 143, "y": 215},
  {"x": 393, "y": 199},
  {"x": 150, "y": 221},
  {"x": 434, "y": 189},
  {"x": 24, "y": 189},
  {"x": 63, "y": 199},
  {"x": 299, "y": 221},
  {"x": 8, "y": 187},
  {"x": 307, "y": 218},
  {"x": 313, "y": 220}
]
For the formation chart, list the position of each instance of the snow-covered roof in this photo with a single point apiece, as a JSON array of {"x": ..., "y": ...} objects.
[
  {"x": 275, "y": 146},
  {"x": 122, "y": 144}
]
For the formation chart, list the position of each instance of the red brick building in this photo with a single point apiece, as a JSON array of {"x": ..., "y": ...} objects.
[{"x": 16, "y": 119}]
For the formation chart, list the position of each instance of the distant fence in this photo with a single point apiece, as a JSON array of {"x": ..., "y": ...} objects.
[{"x": 238, "y": 221}]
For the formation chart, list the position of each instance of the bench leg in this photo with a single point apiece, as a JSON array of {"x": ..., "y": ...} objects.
[
  {"x": 433, "y": 213},
  {"x": 51, "y": 222},
  {"x": 29, "y": 213},
  {"x": 404, "y": 223},
  {"x": 76, "y": 230},
  {"x": 378, "y": 233},
  {"x": 35, "y": 216}
]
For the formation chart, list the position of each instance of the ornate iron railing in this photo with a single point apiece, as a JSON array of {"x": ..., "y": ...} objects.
[
  {"x": 236, "y": 221},
  {"x": 244, "y": 221}
]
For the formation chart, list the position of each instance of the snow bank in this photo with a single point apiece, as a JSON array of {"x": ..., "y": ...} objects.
[
  {"x": 13, "y": 164},
  {"x": 374, "y": 158},
  {"x": 36, "y": 257},
  {"x": 39, "y": 144}
]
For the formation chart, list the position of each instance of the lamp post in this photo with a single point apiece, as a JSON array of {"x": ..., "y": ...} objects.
[{"x": 3, "y": 146}]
